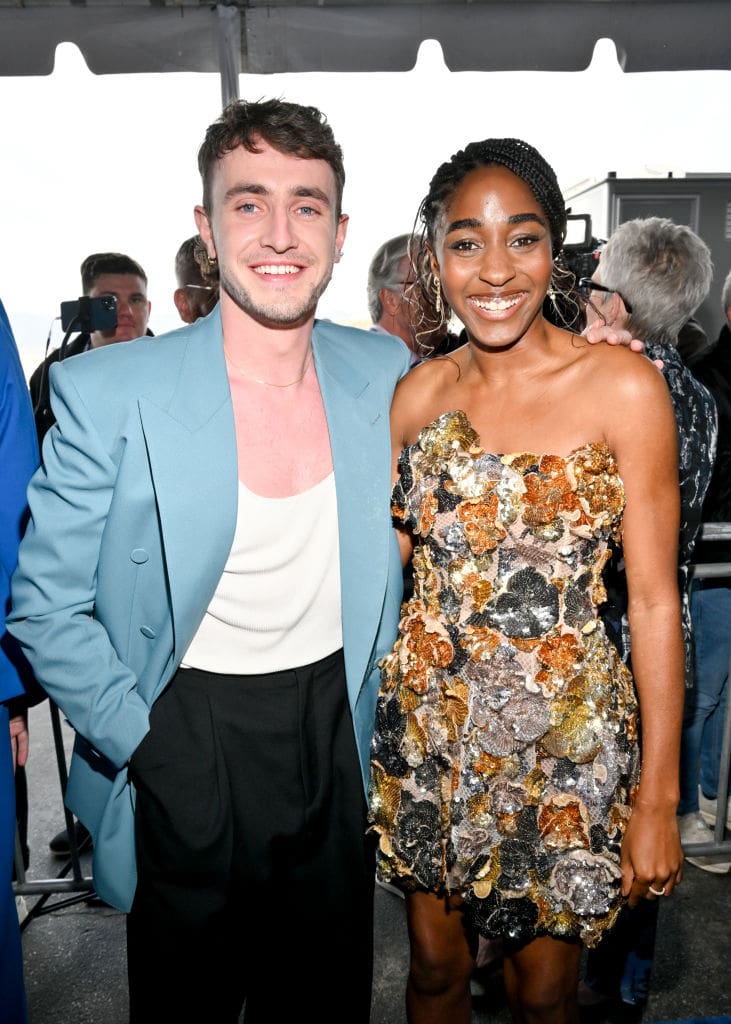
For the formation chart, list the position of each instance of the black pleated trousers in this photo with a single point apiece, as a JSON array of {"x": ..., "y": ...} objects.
[{"x": 255, "y": 877}]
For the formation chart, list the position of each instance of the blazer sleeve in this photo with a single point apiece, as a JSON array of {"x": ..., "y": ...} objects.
[{"x": 54, "y": 585}]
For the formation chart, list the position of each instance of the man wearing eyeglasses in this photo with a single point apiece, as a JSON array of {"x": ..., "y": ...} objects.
[
  {"x": 652, "y": 276},
  {"x": 394, "y": 304}
]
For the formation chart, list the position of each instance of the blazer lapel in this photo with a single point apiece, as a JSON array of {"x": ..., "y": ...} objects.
[
  {"x": 191, "y": 446},
  {"x": 359, "y": 439}
]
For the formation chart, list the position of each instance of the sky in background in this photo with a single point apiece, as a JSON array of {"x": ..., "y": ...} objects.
[{"x": 93, "y": 163}]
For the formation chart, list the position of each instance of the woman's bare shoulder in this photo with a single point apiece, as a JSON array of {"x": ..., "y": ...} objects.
[
  {"x": 421, "y": 395},
  {"x": 630, "y": 397},
  {"x": 619, "y": 368},
  {"x": 429, "y": 377}
]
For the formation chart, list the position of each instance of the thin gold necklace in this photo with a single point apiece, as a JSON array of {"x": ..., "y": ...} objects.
[{"x": 269, "y": 383}]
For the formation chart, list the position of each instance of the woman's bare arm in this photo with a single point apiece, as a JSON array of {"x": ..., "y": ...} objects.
[{"x": 643, "y": 434}]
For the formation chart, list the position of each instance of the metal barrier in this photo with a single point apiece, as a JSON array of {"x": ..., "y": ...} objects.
[{"x": 78, "y": 887}]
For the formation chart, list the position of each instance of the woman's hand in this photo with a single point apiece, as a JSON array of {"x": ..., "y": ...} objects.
[{"x": 652, "y": 857}]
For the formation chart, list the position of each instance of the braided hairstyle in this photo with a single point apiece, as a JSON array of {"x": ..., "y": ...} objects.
[{"x": 517, "y": 156}]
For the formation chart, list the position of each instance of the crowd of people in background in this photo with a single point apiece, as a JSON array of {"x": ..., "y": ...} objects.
[{"x": 331, "y": 604}]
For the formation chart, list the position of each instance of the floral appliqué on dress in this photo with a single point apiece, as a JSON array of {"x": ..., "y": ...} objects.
[{"x": 505, "y": 754}]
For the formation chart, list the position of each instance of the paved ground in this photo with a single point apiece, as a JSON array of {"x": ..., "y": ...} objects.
[{"x": 75, "y": 963}]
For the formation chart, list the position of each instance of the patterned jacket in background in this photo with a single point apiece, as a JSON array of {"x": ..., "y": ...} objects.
[
  {"x": 697, "y": 420},
  {"x": 713, "y": 369}
]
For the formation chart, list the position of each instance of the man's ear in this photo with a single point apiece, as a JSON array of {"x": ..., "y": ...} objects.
[
  {"x": 390, "y": 301},
  {"x": 180, "y": 299},
  {"x": 203, "y": 224},
  {"x": 614, "y": 311},
  {"x": 340, "y": 233}
]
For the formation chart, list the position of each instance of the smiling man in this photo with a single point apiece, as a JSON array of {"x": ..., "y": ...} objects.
[{"x": 228, "y": 582}]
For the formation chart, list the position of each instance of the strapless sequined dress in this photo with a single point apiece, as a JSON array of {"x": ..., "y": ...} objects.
[{"x": 505, "y": 753}]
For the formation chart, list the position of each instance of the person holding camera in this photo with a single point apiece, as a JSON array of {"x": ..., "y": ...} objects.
[{"x": 102, "y": 274}]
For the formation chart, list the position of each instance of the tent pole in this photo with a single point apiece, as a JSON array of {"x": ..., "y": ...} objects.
[{"x": 229, "y": 51}]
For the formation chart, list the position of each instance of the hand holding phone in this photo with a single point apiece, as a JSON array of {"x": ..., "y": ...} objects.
[{"x": 88, "y": 314}]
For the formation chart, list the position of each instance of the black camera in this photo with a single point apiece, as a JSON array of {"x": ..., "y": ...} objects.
[
  {"x": 580, "y": 251},
  {"x": 89, "y": 314},
  {"x": 578, "y": 258}
]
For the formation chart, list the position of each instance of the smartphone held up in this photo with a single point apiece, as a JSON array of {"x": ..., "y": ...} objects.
[{"x": 87, "y": 314}]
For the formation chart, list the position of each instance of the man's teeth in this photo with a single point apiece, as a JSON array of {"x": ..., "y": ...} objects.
[
  {"x": 496, "y": 305},
  {"x": 276, "y": 268}
]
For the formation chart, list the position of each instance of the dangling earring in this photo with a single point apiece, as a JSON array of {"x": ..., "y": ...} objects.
[
  {"x": 554, "y": 289},
  {"x": 438, "y": 299},
  {"x": 564, "y": 310}
]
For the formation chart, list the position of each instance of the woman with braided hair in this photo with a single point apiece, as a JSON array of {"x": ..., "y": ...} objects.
[{"x": 507, "y": 788}]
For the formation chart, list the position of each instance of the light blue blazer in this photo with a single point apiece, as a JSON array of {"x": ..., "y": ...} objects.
[{"x": 132, "y": 518}]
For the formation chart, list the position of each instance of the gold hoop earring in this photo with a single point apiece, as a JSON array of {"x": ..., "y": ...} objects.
[{"x": 208, "y": 264}]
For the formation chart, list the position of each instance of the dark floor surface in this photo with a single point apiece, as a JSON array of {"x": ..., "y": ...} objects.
[{"x": 75, "y": 962}]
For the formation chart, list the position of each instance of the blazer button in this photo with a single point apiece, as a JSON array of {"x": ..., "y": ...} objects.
[
  {"x": 148, "y": 631},
  {"x": 139, "y": 555}
]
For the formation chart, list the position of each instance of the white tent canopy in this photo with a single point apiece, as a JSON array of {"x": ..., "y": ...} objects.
[{"x": 269, "y": 36}]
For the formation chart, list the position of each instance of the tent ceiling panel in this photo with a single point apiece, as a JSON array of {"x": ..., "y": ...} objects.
[{"x": 119, "y": 36}]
